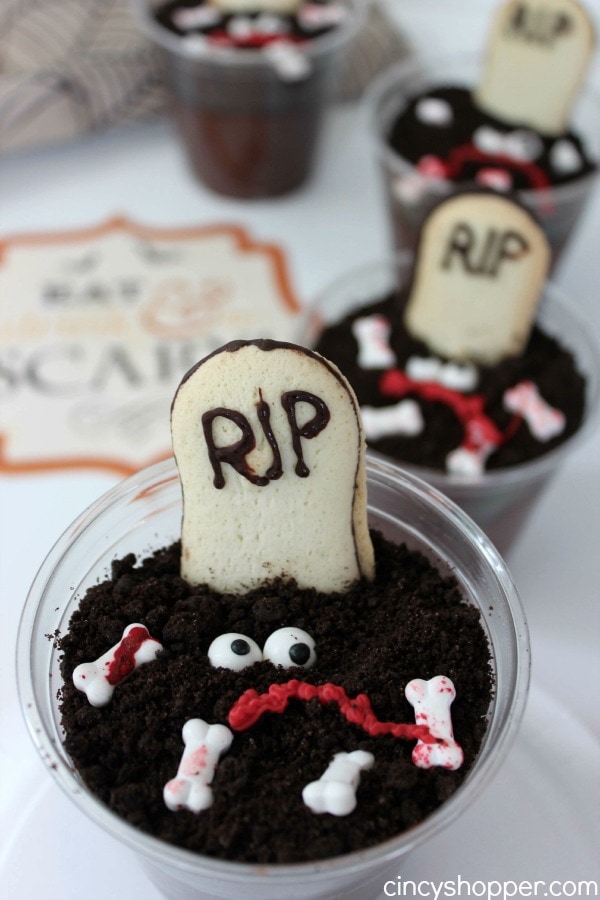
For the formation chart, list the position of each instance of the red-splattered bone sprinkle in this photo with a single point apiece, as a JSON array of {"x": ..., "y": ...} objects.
[
  {"x": 248, "y": 708},
  {"x": 98, "y": 679}
]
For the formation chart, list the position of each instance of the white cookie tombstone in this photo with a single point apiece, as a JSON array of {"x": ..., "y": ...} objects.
[
  {"x": 480, "y": 266},
  {"x": 537, "y": 56},
  {"x": 270, "y": 450}
]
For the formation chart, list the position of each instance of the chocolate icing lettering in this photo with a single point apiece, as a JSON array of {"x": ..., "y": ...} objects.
[
  {"x": 460, "y": 244},
  {"x": 263, "y": 409},
  {"x": 538, "y": 25},
  {"x": 310, "y": 429},
  {"x": 235, "y": 454},
  {"x": 486, "y": 259}
]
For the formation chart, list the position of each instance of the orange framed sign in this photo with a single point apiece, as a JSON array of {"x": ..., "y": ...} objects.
[{"x": 98, "y": 325}]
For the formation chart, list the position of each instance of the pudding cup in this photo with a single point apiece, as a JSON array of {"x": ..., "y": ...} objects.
[
  {"x": 144, "y": 512},
  {"x": 249, "y": 127},
  {"x": 410, "y": 195},
  {"x": 499, "y": 500}
]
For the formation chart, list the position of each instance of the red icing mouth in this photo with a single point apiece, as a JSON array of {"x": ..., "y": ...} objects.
[
  {"x": 479, "y": 428},
  {"x": 248, "y": 708},
  {"x": 468, "y": 153},
  {"x": 253, "y": 41}
]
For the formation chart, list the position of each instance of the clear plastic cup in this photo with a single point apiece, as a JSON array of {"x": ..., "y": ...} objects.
[
  {"x": 249, "y": 130},
  {"x": 144, "y": 512},
  {"x": 499, "y": 500},
  {"x": 410, "y": 195}
]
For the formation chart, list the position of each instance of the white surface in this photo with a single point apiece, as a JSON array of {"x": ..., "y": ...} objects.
[{"x": 539, "y": 819}]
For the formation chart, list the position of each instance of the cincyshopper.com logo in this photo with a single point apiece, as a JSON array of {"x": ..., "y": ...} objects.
[{"x": 489, "y": 890}]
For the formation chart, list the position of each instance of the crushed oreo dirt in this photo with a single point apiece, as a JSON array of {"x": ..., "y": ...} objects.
[
  {"x": 411, "y": 622},
  {"x": 544, "y": 362}
]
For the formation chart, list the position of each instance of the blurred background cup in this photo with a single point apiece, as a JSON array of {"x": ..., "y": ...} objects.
[
  {"x": 144, "y": 512},
  {"x": 410, "y": 195},
  {"x": 499, "y": 500},
  {"x": 249, "y": 120}
]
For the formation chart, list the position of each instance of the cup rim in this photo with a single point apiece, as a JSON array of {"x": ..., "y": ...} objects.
[
  {"x": 232, "y": 57},
  {"x": 416, "y": 63},
  {"x": 153, "y": 849},
  {"x": 588, "y": 336}
]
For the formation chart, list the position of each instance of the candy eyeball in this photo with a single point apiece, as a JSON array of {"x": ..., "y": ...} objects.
[
  {"x": 234, "y": 651},
  {"x": 488, "y": 140},
  {"x": 290, "y": 647},
  {"x": 267, "y": 23},
  {"x": 523, "y": 145},
  {"x": 434, "y": 111}
]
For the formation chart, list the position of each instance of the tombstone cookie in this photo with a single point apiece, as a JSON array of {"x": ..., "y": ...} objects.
[
  {"x": 480, "y": 266},
  {"x": 466, "y": 361},
  {"x": 270, "y": 450},
  {"x": 537, "y": 57}
]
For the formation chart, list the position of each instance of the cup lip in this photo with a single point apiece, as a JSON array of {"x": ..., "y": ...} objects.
[
  {"x": 588, "y": 336},
  {"x": 154, "y": 849},
  {"x": 231, "y": 57},
  {"x": 420, "y": 62}
]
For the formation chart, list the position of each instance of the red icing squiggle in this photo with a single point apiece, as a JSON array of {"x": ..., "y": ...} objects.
[
  {"x": 452, "y": 167},
  {"x": 459, "y": 157},
  {"x": 480, "y": 430},
  {"x": 467, "y": 153},
  {"x": 256, "y": 40},
  {"x": 248, "y": 708}
]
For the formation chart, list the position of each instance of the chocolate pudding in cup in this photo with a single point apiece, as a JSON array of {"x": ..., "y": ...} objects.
[
  {"x": 144, "y": 512},
  {"x": 414, "y": 183},
  {"x": 499, "y": 499},
  {"x": 250, "y": 114}
]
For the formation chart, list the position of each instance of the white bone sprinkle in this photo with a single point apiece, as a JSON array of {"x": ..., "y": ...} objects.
[
  {"x": 565, "y": 157},
  {"x": 498, "y": 179},
  {"x": 431, "y": 701},
  {"x": 317, "y": 15},
  {"x": 434, "y": 111},
  {"x": 458, "y": 376},
  {"x": 372, "y": 335},
  {"x": 488, "y": 140},
  {"x": 523, "y": 144},
  {"x": 282, "y": 7},
  {"x": 402, "y": 418},
  {"x": 290, "y": 63},
  {"x": 544, "y": 421},
  {"x": 335, "y": 791},
  {"x": 204, "y": 744},
  {"x": 98, "y": 679},
  {"x": 202, "y": 16}
]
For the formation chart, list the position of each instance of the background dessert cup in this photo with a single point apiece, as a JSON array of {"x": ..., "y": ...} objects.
[
  {"x": 145, "y": 512},
  {"x": 410, "y": 195},
  {"x": 499, "y": 500},
  {"x": 249, "y": 128}
]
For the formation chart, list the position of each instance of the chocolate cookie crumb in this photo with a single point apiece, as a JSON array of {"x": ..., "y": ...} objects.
[{"x": 411, "y": 622}]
